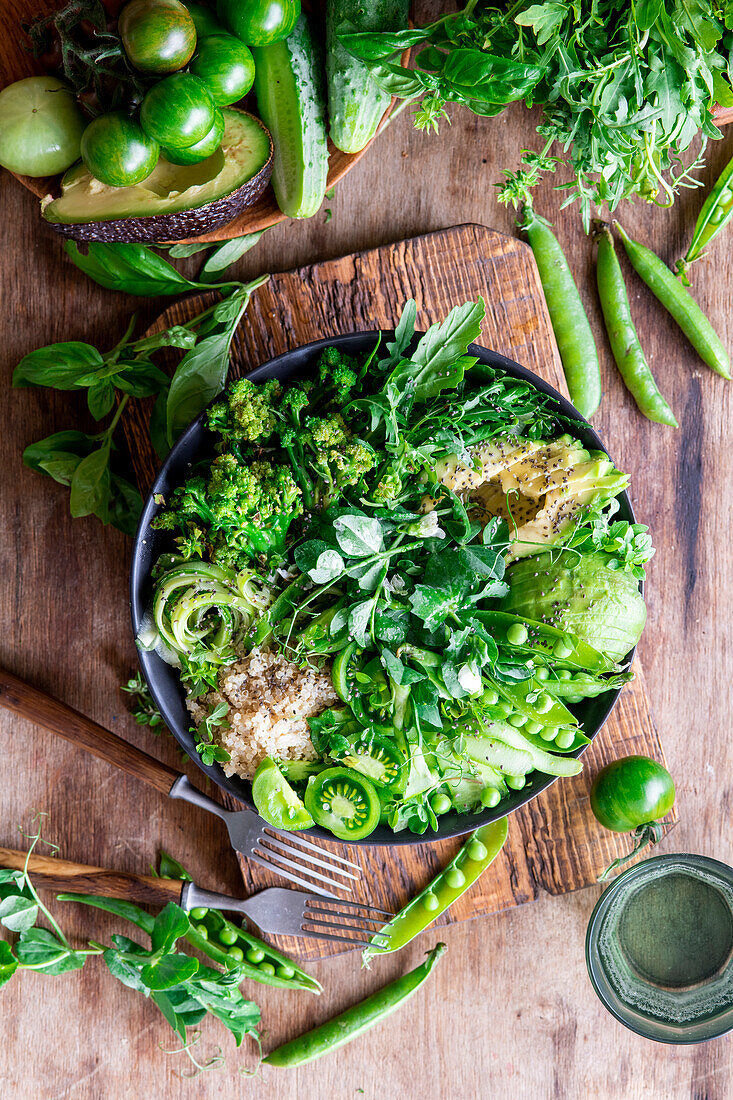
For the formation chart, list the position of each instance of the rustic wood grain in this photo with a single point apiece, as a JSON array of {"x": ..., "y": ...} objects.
[
  {"x": 64, "y": 875},
  {"x": 554, "y": 843},
  {"x": 509, "y": 1013}
]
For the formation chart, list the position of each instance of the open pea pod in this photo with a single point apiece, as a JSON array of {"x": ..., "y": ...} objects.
[
  {"x": 467, "y": 865},
  {"x": 586, "y": 685},
  {"x": 534, "y": 700},
  {"x": 559, "y": 646},
  {"x": 542, "y": 760}
]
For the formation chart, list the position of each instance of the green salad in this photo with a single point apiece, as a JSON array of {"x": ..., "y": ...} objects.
[{"x": 393, "y": 584}]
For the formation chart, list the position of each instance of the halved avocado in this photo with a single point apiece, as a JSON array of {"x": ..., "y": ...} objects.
[{"x": 175, "y": 201}]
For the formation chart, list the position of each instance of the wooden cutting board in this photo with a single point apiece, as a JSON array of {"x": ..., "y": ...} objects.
[{"x": 554, "y": 843}]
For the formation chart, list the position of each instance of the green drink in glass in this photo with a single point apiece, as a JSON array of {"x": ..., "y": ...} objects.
[{"x": 659, "y": 948}]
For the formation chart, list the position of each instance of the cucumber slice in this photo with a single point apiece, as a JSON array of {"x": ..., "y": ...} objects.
[
  {"x": 356, "y": 103},
  {"x": 290, "y": 97}
]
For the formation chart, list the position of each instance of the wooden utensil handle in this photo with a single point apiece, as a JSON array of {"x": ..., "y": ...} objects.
[
  {"x": 53, "y": 715},
  {"x": 77, "y": 878}
]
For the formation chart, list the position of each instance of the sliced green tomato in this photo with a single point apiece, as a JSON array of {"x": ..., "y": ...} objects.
[
  {"x": 276, "y": 801},
  {"x": 378, "y": 759},
  {"x": 344, "y": 802},
  {"x": 543, "y": 639},
  {"x": 299, "y": 771},
  {"x": 341, "y": 672},
  {"x": 201, "y": 149},
  {"x": 40, "y": 126},
  {"x": 478, "y": 853}
]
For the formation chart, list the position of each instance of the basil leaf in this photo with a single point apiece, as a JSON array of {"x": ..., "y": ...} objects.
[
  {"x": 131, "y": 268},
  {"x": 91, "y": 486},
  {"x": 63, "y": 443},
  {"x": 370, "y": 47},
  {"x": 142, "y": 379},
  {"x": 100, "y": 398},
  {"x": 227, "y": 254},
  {"x": 359, "y": 536},
  {"x": 171, "y": 970},
  {"x": 57, "y": 365},
  {"x": 177, "y": 336},
  {"x": 157, "y": 427},
  {"x": 126, "y": 505},
  {"x": 183, "y": 249}
]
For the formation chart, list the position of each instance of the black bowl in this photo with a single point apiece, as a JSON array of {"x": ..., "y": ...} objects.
[{"x": 196, "y": 444}]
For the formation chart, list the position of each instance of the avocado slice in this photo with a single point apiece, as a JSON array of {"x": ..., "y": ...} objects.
[{"x": 175, "y": 201}]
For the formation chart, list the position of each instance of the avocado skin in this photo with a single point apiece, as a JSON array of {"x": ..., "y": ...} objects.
[{"x": 172, "y": 227}]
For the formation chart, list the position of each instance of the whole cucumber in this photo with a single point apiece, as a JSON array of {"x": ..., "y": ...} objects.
[
  {"x": 291, "y": 102},
  {"x": 356, "y": 103}
]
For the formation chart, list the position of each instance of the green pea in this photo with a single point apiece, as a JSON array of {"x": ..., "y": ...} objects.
[
  {"x": 718, "y": 214},
  {"x": 202, "y": 931},
  {"x": 198, "y": 913},
  {"x": 564, "y": 739},
  {"x": 516, "y": 782},
  {"x": 236, "y": 953},
  {"x": 543, "y": 703},
  {"x": 455, "y": 878},
  {"x": 490, "y": 798},
  {"x": 574, "y": 698},
  {"x": 502, "y": 709},
  {"x": 517, "y": 634},
  {"x": 490, "y": 697},
  {"x": 441, "y": 803},
  {"x": 564, "y": 674},
  {"x": 476, "y": 850},
  {"x": 228, "y": 936},
  {"x": 255, "y": 955},
  {"x": 286, "y": 972},
  {"x": 266, "y": 968},
  {"x": 430, "y": 902},
  {"x": 517, "y": 720},
  {"x": 533, "y": 727},
  {"x": 542, "y": 673},
  {"x": 562, "y": 649},
  {"x": 548, "y": 733}
]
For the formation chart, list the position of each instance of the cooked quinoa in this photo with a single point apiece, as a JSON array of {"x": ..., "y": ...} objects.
[{"x": 269, "y": 701}]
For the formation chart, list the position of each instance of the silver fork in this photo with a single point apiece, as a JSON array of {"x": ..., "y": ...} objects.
[
  {"x": 283, "y": 912},
  {"x": 285, "y": 853}
]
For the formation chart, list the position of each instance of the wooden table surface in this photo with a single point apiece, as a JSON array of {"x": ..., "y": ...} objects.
[{"x": 509, "y": 1013}]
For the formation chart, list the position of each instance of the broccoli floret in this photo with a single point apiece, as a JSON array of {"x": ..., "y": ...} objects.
[
  {"x": 388, "y": 488},
  {"x": 246, "y": 415},
  {"x": 326, "y": 458},
  {"x": 243, "y": 511},
  {"x": 338, "y": 373}
]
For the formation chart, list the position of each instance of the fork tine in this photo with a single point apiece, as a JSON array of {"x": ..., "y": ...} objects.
[
  {"x": 362, "y": 905},
  {"x": 298, "y": 839},
  {"x": 311, "y": 887},
  {"x": 343, "y": 927},
  {"x": 283, "y": 847},
  {"x": 344, "y": 916},
  {"x": 299, "y": 867},
  {"x": 339, "y": 939}
]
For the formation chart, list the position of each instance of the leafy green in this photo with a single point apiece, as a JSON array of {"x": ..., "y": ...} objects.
[{"x": 625, "y": 86}]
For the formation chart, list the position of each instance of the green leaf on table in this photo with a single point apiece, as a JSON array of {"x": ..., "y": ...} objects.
[
  {"x": 125, "y": 506},
  {"x": 227, "y": 254},
  {"x": 158, "y": 425},
  {"x": 100, "y": 398},
  {"x": 8, "y": 962},
  {"x": 6, "y": 875},
  {"x": 172, "y": 970},
  {"x": 169, "y": 867},
  {"x": 91, "y": 486},
  {"x": 141, "y": 378},
  {"x": 126, "y": 972},
  {"x": 58, "y": 444},
  {"x": 359, "y": 536},
  {"x": 131, "y": 268},
  {"x": 18, "y": 913},
  {"x": 170, "y": 924},
  {"x": 42, "y": 950},
  {"x": 57, "y": 365}
]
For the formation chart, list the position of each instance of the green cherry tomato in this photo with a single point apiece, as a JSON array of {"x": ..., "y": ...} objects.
[
  {"x": 204, "y": 19},
  {"x": 201, "y": 149},
  {"x": 226, "y": 66},
  {"x": 344, "y": 802},
  {"x": 631, "y": 792},
  {"x": 276, "y": 801},
  {"x": 259, "y": 22},
  {"x": 158, "y": 36},
  {"x": 40, "y": 127},
  {"x": 178, "y": 111},
  {"x": 117, "y": 151}
]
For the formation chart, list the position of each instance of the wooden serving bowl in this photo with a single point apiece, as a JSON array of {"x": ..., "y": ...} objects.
[{"x": 17, "y": 62}]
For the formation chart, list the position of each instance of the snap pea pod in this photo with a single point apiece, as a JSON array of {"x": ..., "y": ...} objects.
[
  {"x": 627, "y": 351},
  {"x": 564, "y": 648},
  {"x": 544, "y": 709},
  {"x": 679, "y": 303},
  {"x": 716, "y": 212},
  {"x": 471, "y": 860},
  {"x": 575, "y": 342},
  {"x": 355, "y": 1020}
]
